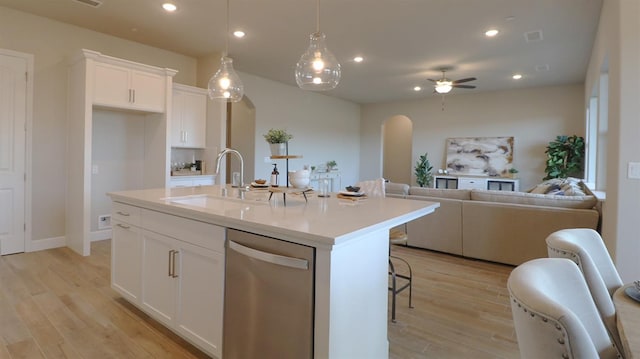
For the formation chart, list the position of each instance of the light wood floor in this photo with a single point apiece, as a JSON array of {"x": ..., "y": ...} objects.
[{"x": 57, "y": 304}]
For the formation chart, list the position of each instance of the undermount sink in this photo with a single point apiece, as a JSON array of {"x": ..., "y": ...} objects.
[{"x": 220, "y": 203}]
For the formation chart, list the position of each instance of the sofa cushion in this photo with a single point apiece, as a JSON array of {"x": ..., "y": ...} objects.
[
  {"x": 396, "y": 188},
  {"x": 536, "y": 199},
  {"x": 462, "y": 194},
  {"x": 562, "y": 186}
]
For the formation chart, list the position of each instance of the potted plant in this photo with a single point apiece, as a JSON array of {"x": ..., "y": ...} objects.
[
  {"x": 565, "y": 157},
  {"x": 277, "y": 140},
  {"x": 331, "y": 165},
  {"x": 423, "y": 168},
  {"x": 513, "y": 172}
]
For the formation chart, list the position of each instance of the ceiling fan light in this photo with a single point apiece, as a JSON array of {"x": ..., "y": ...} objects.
[
  {"x": 318, "y": 69},
  {"x": 225, "y": 84},
  {"x": 443, "y": 86}
]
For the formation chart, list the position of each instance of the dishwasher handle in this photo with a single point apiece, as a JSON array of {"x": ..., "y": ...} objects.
[{"x": 269, "y": 257}]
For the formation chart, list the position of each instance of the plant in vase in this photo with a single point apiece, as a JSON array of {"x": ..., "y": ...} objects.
[
  {"x": 277, "y": 140},
  {"x": 423, "y": 168},
  {"x": 513, "y": 173},
  {"x": 331, "y": 165}
]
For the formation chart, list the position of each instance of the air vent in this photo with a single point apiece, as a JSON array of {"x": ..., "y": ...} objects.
[
  {"x": 541, "y": 68},
  {"x": 92, "y": 3},
  {"x": 533, "y": 36}
]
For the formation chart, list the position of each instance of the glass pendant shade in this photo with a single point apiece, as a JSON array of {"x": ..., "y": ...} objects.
[
  {"x": 225, "y": 84},
  {"x": 317, "y": 68}
]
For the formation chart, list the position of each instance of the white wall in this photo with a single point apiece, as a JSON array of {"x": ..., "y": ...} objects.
[
  {"x": 534, "y": 116},
  {"x": 324, "y": 128},
  {"x": 118, "y": 153},
  {"x": 617, "y": 47}
]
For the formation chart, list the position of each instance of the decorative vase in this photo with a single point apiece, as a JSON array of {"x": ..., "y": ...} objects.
[{"x": 278, "y": 149}]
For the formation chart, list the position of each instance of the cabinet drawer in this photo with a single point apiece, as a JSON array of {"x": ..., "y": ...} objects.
[
  {"x": 472, "y": 183},
  {"x": 126, "y": 213},
  {"x": 197, "y": 233}
]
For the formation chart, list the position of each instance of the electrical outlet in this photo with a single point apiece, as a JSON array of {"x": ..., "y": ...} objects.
[
  {"x": 633, "y": 170},
  {"x": 104, "y": 221}
]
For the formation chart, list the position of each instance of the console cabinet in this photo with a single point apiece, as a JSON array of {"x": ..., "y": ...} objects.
[
  {"x": 188, "y": 117},
  {"x": 464, "y": 182}
]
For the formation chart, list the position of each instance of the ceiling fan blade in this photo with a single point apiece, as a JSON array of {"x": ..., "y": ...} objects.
[
  {"x": 464, "y": 80},
  {"x": 463, "y": 86},
  {"x": 432, "y": 80}
]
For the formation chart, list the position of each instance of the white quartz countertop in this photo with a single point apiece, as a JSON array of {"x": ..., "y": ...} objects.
[{"x": 318, "y": 222}]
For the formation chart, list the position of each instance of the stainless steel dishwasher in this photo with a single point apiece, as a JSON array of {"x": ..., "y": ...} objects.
[{"x": 268, "y": 298}]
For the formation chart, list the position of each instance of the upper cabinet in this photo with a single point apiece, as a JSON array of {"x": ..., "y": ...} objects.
[
  {"x": 122, "y": 87},
  {"x": 188, "y": 117}
]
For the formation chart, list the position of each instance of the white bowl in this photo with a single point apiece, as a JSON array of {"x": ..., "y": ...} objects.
[{"x": 298, "y": 182}]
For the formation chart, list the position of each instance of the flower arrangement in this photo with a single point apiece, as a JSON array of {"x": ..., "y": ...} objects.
[
  {"x": 277, "y": 136},
  {"x": 331, "y": 165}
]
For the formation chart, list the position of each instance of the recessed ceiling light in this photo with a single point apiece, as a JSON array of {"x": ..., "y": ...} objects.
[
  {"x": 491, "y": 32},
  {"x": 169, "y": 7},
  {"x": 239, "y": 33},
  {"x": 417, "y": 88},
  {"x": 516, "y": 76},
  {"x": 358, "y": 59}
]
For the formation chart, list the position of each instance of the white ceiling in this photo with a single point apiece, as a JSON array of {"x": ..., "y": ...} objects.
[{"x": 404, "y": 42}]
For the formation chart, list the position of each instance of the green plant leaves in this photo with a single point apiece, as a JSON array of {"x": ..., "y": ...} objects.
[
  {"x": 565, "y": 157},
  {"x": 423, "y": 168}
]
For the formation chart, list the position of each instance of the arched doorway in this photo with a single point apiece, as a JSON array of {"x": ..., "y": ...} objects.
[
  {"x": 397, "y": 146},
  {"x": 241, "y": 129}
]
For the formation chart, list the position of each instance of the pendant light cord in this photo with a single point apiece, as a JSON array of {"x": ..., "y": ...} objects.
[
  {"x": 318, "y": 16},
  {"x": 226, "y": 35}
]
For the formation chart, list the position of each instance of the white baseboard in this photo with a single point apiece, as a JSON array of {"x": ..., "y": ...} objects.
[
  {"x": 101, "y": 235},
  {"x": 46, "y": 243}
]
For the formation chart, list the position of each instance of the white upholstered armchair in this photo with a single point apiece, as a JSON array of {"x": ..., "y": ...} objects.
[
  {"x": 586, "y": 248},
  {"x": 553, "y": 313}
]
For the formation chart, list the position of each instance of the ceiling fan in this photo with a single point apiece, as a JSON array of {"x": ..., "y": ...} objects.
[{"x": 444, "y": 85}]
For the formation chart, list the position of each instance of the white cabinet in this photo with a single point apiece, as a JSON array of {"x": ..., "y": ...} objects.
[
  {"x": 188, "y": 117},
  {"x": 126, "y": 252},
  {"x": 121, "y": 87},
  {"x": 333, "y": 176},
  {"x": 173, "y": 269},
  {"x": 464, "y": 182}
]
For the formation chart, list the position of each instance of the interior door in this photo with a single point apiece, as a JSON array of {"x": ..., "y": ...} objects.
[{"x": 13, "y": 117}]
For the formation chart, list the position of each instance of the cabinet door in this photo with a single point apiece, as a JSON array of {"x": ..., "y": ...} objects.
[
  {"x": 189, "y": 118},
  {"x": 200, "y": 297},
  {"x": 126, "y": 259},
  {"x": 194, "y": 119},
  {"x": 148, "y": 91},
  {"x": 158, "y": 284},
  {"x": 177, "y": 104},
  {"x": 111, "y": 86}
]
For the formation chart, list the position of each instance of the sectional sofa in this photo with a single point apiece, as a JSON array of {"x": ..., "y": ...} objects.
[{"x": 499, "y": 226}]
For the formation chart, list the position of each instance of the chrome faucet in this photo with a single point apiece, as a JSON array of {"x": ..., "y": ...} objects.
[{"x": 219, "y": 160}]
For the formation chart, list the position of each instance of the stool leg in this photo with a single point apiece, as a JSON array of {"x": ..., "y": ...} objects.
[{"x": 392, "y": 271}]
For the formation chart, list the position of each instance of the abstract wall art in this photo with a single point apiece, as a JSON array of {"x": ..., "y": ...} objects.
[{"x": 479, "y": 156}]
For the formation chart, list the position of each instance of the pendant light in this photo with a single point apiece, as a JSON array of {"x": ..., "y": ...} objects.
[
  {"x": 317, "y": 68},
  {"x": 225, "y": 84}
]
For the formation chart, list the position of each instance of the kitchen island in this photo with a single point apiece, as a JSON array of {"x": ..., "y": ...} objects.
[{"x": 177, "y": 234}]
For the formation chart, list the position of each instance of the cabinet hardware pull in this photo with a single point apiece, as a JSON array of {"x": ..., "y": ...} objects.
[
  {"x": 123, "y": 226},
  {"x": 186, "y": 136},
  {"x": 170, "y": 262},
  {"x": 134, "y": 95},
  {"x": 129, "y": 95},
  {"x": 174, "y": 275},
  {"x": 123, "y": 214}
]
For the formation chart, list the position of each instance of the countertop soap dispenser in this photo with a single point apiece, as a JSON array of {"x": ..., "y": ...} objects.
[{"x": 274, "y": 176}]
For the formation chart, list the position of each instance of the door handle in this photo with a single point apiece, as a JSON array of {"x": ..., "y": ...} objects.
[
  {"x": 124, "y": 226},
  {"x": 270, "y": 257},
  {"x": 173, "y": 270},
  {"x": 170, "y": 266}
]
